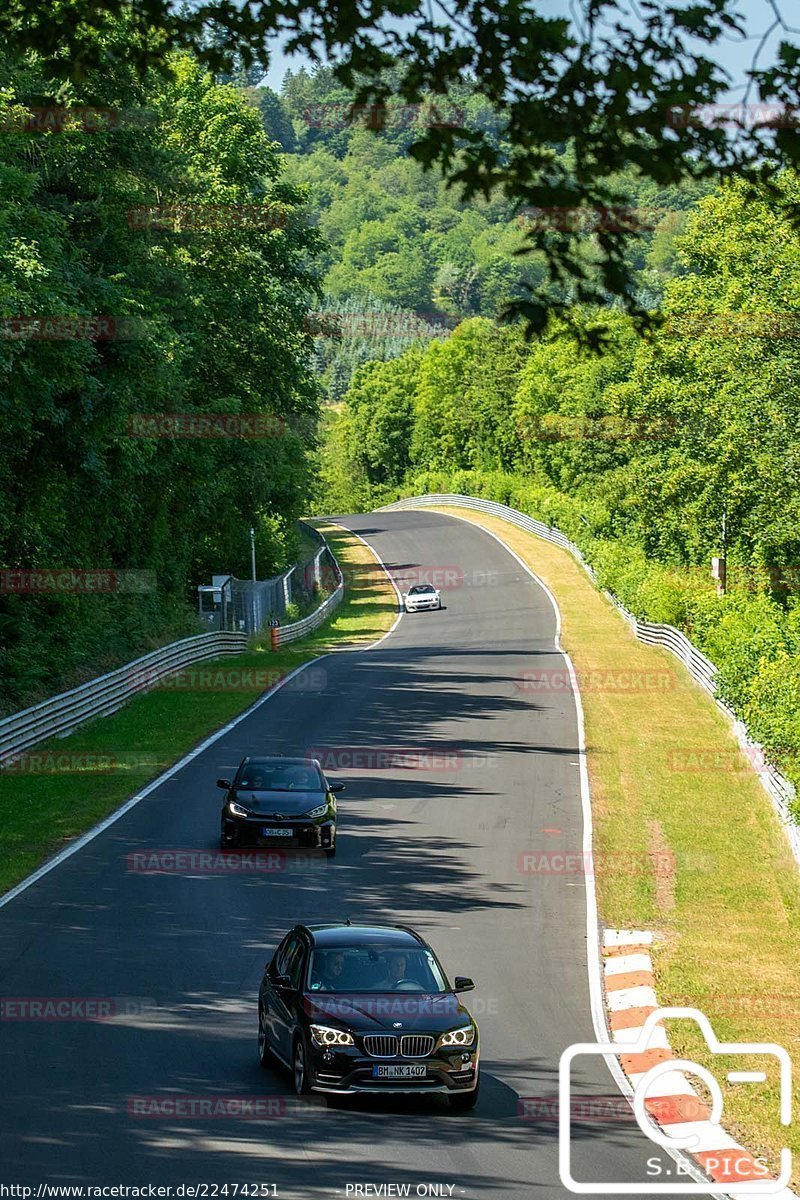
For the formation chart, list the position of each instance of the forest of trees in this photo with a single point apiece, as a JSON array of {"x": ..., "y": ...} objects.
[
  {"x": 381, "y": 290},
  {"x": 398, "y": 239},
  {"x": 639, "y": 452},
  {"x": 197, "y": 316}
]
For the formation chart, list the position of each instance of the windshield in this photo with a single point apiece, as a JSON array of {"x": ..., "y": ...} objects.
[
  {"x": 280, "y": 777},
  {"x": 420, "y": 589},
  {"x": 375, "y": 969}
]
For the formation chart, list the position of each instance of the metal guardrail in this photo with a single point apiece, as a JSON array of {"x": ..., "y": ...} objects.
[
  {"x": 290, "y": 633},
  {"x": 702, "y": 670},
  {"x": 59, "y": 715},
  {"x": 284, "y": 634}
]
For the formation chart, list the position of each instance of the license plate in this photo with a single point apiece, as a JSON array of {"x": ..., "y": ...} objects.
[
  {"x": 277, "y": 832},
  {"x": 398, "y": 1071}
]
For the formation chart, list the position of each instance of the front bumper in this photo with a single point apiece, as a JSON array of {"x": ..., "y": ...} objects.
[
  {"x": 348, "y": 1071},
  {"x": 302, "y": 834},
  {"x": 420, "y": 605}
]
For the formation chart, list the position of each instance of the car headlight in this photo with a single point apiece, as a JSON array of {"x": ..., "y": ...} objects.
[
  {"x": 237, "y": 809},
  {"x": 326, "y": 1035},
  {"x": 458, "y": 1037},
  {"x": 319, "y": 811}
]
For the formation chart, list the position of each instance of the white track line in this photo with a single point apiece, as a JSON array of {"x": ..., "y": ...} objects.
[
  {"x": 593, "y": 962},
  {"x": 382, "y": 564},
  {"x": 112, "y": 818}
]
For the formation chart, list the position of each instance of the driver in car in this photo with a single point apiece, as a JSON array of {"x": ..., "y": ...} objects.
[
  {"x": 397, "y": 966},
  {"x": 254, "y": 780},
  {"x": 327, "y": 973},
  {"x": 302, "y": 780}
]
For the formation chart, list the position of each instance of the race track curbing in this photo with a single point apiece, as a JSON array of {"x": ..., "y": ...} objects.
[{"x": 672, "y": 1102}]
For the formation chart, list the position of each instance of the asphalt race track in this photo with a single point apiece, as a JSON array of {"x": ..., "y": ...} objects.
[{"x": 434, "y": 843}]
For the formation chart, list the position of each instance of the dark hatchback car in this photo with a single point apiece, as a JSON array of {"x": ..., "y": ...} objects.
[
  {"x": 355, "y": 1009},
  {"x": 279, "y": 802}
]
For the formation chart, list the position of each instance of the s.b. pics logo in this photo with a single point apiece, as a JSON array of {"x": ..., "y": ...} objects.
[{"x": 730, "y": 1167}]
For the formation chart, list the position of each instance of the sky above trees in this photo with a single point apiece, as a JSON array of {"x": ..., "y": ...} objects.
[{"x": 735, "y": 55}]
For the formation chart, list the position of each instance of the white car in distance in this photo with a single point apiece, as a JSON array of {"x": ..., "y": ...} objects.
[{"x": 420, "y": 597}]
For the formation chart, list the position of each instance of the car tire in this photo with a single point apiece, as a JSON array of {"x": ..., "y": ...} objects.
[
  {"x": 302, "y": 1087},
  {"x": 464, "y": 1101},
  {"x": 330, "y": 851},
  {"x": 264, "y": 1052},
  {"x": 438, "y": 606},
  {"x": 226, "y": 841}
]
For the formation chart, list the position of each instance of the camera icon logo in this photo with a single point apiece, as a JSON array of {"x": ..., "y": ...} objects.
[{"x": 650, "y": 1037}]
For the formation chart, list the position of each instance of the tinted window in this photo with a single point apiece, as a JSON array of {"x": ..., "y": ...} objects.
[
  {"x": 375, "y": 969},
  {"x": 280, "y": 777},
  {"x": 284, "y": 954},
  {"x": 421, "y": 589},
  {"x": 296, "y": 963}
]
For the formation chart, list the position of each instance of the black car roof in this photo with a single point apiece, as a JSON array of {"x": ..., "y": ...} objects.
[
  {"x": 362, "y": 935},
  {"x": 279, "y": 760}
]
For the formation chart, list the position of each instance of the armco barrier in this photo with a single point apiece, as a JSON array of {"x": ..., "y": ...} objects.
[
  {"x": 61, "y": 714},
  {"x": 290, "y": 633},
  {"x": 284, "y": 634},
  {"x": 702, "y": 670}
]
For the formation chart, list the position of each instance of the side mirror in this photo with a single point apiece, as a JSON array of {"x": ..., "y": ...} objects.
[
  {"x": 463, "y": 984},
  {"x": 224, "y": 783},
  {"x": 335, "y": 787}
]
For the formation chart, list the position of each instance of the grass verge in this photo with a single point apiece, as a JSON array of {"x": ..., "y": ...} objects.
[
  {"x": 686, "y": 842},
  {"x": 109, "y": 760}
]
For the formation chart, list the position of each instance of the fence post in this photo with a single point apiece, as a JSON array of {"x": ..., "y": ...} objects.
[{"x": 287, "y": 587}]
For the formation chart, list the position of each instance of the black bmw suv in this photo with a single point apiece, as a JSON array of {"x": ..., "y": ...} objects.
[
  {"x": 357, "y": 1008},
  {"x": 279, "y": 802}
]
